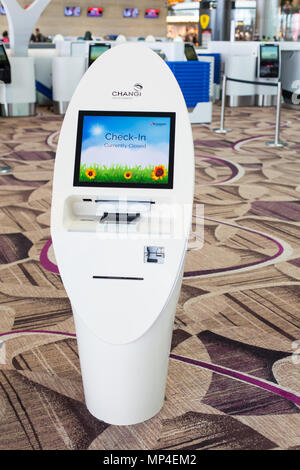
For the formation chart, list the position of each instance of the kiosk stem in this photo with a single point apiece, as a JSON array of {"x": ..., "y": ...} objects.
[
  {"x": 277, "y": 142},
  {"x": 221, "y": 130}
]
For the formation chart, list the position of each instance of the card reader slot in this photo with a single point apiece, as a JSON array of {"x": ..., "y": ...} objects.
[
  {"x": 128, "y": 201},
  {"x": 122, "y": 278},
  {"x": 119, "y": 218}
]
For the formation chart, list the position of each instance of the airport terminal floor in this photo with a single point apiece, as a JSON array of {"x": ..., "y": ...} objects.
[{"x": 233, "y": 381}]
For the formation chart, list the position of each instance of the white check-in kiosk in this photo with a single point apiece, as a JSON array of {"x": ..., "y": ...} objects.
[{"x": 121, "y": 214}]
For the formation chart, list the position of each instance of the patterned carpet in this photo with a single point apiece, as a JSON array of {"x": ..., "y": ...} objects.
[{"x": 234, "y": 373}]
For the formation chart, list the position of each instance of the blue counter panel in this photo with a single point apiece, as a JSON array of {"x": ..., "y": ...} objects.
[
  {"x": 193, "y": 79},
  {"x": 217, "y": 71}
]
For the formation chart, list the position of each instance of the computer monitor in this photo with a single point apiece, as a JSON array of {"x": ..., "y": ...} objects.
[
  {"x": 131, "y": 12},
  {"x": 269, "y": 60},
  {"x": 125, "y": 149},
  {"x": 94, "y": 11},
  {"x": 189, "y": 51},
  {"x": 72, "y": 11},
  {"x": 151, "y": 13},
  {"x": 5, "y": 75},
  {"x": 97, "y": 49}
]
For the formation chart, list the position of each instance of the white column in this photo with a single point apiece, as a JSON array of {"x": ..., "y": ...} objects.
[
  {"x": 267, "y": 18},
  {"x": 21, "y": 23}
]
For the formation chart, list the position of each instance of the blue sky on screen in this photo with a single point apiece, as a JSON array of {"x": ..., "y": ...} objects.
[{"x": 95, "y": 136}]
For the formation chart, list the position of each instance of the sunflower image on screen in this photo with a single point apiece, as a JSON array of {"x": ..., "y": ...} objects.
[{"x": 129, "y": 149}]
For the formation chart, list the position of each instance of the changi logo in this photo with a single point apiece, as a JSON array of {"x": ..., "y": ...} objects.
[
  {"x": 137, "y": 91},
  {"x": 138, "y": 87}
]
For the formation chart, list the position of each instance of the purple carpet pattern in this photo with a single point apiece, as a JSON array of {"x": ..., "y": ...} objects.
[{"x": 234, "y": 372}]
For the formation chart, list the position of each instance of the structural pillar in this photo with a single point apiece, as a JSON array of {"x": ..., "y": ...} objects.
[
  {"x": 221, "y": 28},
  {"x": 267, "y": 18},
  {"x": 21, "y": 22}
]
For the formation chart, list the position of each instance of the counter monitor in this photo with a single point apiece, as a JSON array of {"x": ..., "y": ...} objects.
[
  {"x": 5, "y": 74},
  {"x": 189, "y": 51},
  {"x": 269, "y": 61},
  {"x": 97, "y": 49}
]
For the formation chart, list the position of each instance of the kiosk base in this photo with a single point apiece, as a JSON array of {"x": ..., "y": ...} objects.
[
  {"x": 17, "y": 109},
  {"x": 60, "y": 107},
  {"x": 125, "y": 384}
]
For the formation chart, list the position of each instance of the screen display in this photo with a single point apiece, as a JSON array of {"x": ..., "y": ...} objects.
[
  {"x": 2, "y": 10},
  {"x": 95, "y": 11},
  {"x": 269, "y": 61},
  {"x": 117, "y": 149},
  {"x": 72, "y": 11},
  {"x": 151, "y": 13},
  {"x": 95, "y": 50},
  {"x": 269, "y": 52},
  {"x": 3, "y": 57},
  {"x": 131, "y": 12},
  {"x": 190, "y": 52}
]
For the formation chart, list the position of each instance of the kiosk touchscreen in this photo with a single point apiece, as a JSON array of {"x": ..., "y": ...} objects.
[
  {"x": 120, "y": 220},
  {"x": 124, "y": 149},
  {"x": 5, "y": 75},
  {"x": 190, "y": 52},
  {"x": 97, "y": 49},
  {"x": 269, "y": 61}
]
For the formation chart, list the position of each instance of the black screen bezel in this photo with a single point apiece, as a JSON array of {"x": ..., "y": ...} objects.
[
  {"x": 153, "y": 114},
  {"x": 6, "y": 64},
  {"x": 264, "y": 62},
  {"x": 102, "y": 44},
  {"x": 190, "y": 46}
]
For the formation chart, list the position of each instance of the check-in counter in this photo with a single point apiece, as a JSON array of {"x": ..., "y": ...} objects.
[
  {"x": 245, "y": 94},
  {"x": 18, "y": 98},
  {"x": 66, "y": 74},
  {"x": 290, "y": 77},
  {"x": 239, "y": 60}
]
